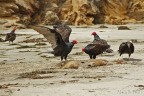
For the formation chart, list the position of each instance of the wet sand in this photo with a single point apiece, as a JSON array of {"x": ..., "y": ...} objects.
[{"x": 28, "y": 69}]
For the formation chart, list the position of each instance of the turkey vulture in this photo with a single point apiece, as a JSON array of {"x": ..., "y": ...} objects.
[
  {"x": 126, "y": 48},
  {"x": 64, "y": 30},
  {"x": 95, "y": 49},
  {"x": 11, "y": 36},
  {"x": 97, "y": 39},
  {"x": 60, "y": 47}
]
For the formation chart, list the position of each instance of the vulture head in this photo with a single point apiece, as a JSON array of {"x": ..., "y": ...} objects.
[
  {"x": 74, "y": 42},
  {"x": 83, "y": 49},
  {"x": 94, "y": 33}
]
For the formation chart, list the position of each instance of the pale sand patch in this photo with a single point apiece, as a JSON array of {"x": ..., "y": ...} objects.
[{"x": 18, "y": 65}]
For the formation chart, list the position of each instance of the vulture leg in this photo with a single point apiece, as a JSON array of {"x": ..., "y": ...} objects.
[
  {"x": 65, "y": 57},
  {"x": 94, "y": 56},
  {"x": 62, "y": 58},
  {"x": 129, "y": 56},
  {"x": 119, "y": 56},
  {"x": 90, "y": 56}
]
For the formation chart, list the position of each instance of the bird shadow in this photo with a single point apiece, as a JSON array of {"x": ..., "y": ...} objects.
[
  {"x": 108, "y": 54},
  {"x": 131, "y": 59},
  {"x": 11, "y": 44}
]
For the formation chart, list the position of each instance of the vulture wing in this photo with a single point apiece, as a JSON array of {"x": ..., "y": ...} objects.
[
  {"x": 97, "y": 47},
  {"x": 7, "y": 36},
  {"x": 123, "y": 46},
  {"x": 102, "y": 41},
  {"x": 64, "y": 30},
  {"x": 132, "y": 48},
  {"x": 53, "y": 37}
]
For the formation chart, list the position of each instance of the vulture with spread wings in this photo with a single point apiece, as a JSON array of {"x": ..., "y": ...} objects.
[{"x": 60, "y": 47}]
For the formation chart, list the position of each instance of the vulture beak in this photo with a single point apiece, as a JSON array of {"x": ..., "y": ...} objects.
[
  {"x": 83, "y": 49},
  {"x": 75, "y": 42}
]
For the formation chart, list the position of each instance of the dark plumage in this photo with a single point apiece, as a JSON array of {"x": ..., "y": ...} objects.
[
  {"x": 95, "y": 49},
  {"x": 97, "y": 39},
  {"x": 11, "y": 36},
  {"x": 64, "y": 30},
  {"x": 126, "y": 48},
  {"x": 60, "y": 47}
]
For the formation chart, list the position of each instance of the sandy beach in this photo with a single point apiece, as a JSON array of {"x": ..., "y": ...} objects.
[{"x": 28, "y": 69}]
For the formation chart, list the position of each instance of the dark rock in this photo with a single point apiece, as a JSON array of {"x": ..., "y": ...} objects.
[
  {"x": 123, "y": 28},
  {"x": 103, "y": 26}
]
